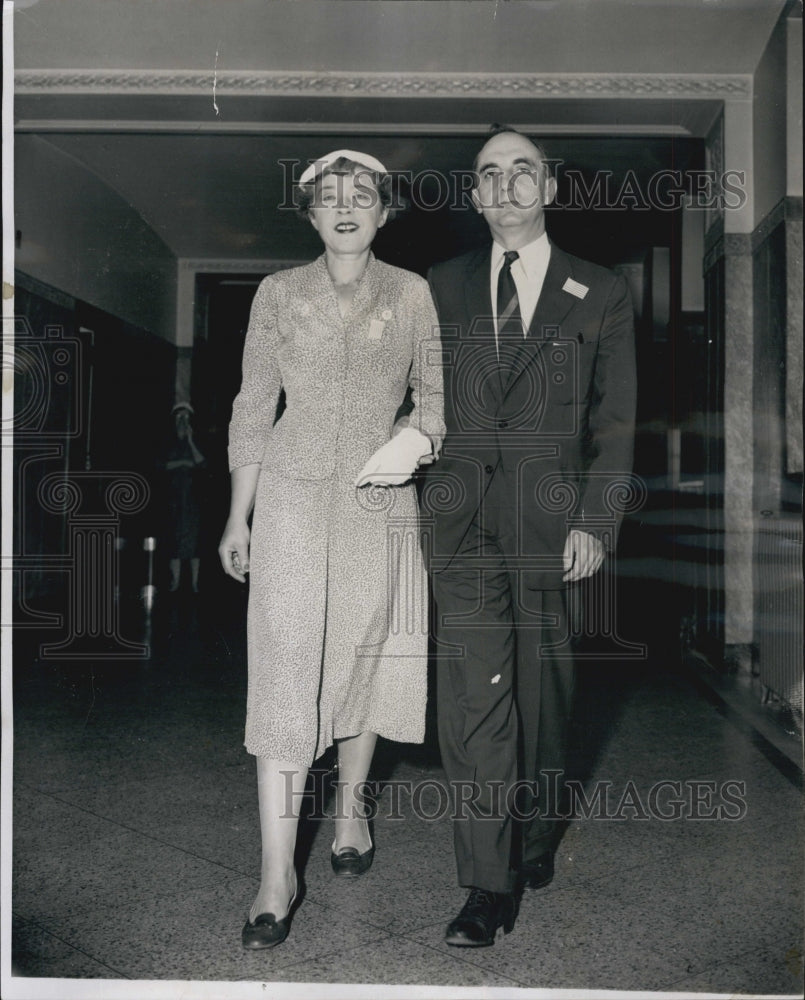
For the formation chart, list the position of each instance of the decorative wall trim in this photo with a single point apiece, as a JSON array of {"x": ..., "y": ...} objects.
[
  {"x": 714, "y": 162},
  {"x": 713, "y": 245},
  {"x": 43, "y": 290},
  {"x": 195, "y": 126},
  {"x": 727, "y": 245},
  {"x": 717, "y": 244},
  {"x": 271, "y": 83},
  {"x": 768, "y": 224},
  {"x": 712, "y": 235},
  {"x": 788, "y": 209}
]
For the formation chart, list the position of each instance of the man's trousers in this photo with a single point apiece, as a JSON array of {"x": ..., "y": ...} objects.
[{"x": 505, "y": 687}]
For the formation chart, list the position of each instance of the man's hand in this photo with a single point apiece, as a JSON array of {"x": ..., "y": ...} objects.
[{"x": 583, "y": 555}]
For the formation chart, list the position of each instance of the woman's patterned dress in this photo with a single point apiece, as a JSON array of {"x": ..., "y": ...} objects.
[{"x": 337, "y": 621}]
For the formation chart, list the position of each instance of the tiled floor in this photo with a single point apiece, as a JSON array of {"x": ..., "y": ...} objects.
[{"x": 136, "y": 845}]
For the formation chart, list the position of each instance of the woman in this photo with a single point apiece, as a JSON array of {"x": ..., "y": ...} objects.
[
  {"x": 183, "y": 465},
  {"x": 329, "y": 662}
]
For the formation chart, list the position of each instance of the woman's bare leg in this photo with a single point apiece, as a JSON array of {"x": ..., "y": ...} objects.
[
  {"x": 354, "y": 759},
  {"x": 280, "y": 788}
]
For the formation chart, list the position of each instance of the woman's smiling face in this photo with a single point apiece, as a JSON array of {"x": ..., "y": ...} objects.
[{"x": 347, "y": 211}]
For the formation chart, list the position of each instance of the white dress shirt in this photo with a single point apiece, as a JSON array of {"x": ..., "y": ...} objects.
[{"x": 528, "y": 272}]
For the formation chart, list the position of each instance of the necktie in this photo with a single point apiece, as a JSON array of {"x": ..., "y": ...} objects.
[{"x": 510, "y": 324}]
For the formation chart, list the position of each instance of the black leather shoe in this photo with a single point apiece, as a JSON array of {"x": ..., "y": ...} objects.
[
  {"x": 536, "y": 874},
  {"x": 479, "y": 918},
  {"x": 267, "y": 931},
  {"x": 349, "y": 864}
]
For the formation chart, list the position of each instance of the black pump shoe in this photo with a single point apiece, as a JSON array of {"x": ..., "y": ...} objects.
[
  {"x": 479, "y": 918},
  {"x": 267, "y": 931},
  {"x": 349, "y": 864}
]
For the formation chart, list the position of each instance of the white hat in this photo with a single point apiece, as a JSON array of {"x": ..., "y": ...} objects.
[{"x": 317, "y": 167}]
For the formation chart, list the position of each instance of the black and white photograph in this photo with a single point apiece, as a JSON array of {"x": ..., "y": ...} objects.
[{"x": 402, "y": 487}]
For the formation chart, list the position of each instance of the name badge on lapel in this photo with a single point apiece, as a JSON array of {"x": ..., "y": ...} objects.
[
  {"x": 376, "y": 326},
  {"x": 575, "y": 288}
]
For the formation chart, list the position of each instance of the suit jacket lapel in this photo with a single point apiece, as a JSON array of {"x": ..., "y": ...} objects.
[
  {"x": 477, "y": 295},
  {"x": 553, "y": 305},
  {"x": 480, "y": 329}
]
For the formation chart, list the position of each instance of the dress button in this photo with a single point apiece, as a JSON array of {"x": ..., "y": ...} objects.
[
  {"x": 503, "y": 423},
  {"x": 489, "y": 469}
]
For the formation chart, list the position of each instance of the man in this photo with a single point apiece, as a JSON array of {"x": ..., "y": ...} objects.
[{"x": 538, "y": 352}]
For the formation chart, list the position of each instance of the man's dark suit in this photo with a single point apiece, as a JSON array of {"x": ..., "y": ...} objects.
[{"x": 532, "y": 450}]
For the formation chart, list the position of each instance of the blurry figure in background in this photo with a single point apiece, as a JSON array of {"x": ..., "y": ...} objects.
[{"x": 183, "y": 464}]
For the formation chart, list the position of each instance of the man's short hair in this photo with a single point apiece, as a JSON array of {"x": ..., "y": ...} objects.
[{"x": 496, "y": 129}]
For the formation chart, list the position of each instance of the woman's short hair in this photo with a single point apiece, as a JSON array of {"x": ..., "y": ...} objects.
[{"x": 305, "y": 194}]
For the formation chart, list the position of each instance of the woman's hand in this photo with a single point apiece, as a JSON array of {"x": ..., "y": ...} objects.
[{"x": 234, "y": 549}]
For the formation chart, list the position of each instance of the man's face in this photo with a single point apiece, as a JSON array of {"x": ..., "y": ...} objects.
[{"x": 513, "y": 186}]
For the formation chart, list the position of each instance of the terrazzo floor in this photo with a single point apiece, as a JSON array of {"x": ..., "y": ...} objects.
[{"x": 136, "y": 843}]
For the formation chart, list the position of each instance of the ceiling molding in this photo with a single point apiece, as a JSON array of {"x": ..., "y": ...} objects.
[
  {"x": 240, "y": 127},
  {"x": 368, "y": 85}
]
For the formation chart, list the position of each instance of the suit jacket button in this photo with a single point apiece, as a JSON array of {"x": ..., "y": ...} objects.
[
  {"x": 489, "y": 469},
  {"x": 503, "y": 423}
]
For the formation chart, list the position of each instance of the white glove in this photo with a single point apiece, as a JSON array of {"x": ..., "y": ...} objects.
[{"x": 396, "y": 461}]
